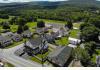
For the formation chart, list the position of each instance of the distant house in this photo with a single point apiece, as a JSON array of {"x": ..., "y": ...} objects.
[
  {"x": 74, "y": 41},
  {"x": 60, "y": 57},
  {"x": 34, "y": 46},
  {"x": 5, "y": 41},
  {"x": 17, "y": 37},
  {"x": 27, "y": 33},
  {"x": 41, "y": 30}
]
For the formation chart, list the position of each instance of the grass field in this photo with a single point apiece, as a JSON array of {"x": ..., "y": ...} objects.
[
  {"x": 13, "y": 28},
  {"x": 40, "y": 56},
  {"x": 77, "y": 25},
  {"x": 9, "y": 65},
  {"x": 74, "y": 33},
  {"x": 53, "y": 21},
  {"x": 63, "y": 41}
]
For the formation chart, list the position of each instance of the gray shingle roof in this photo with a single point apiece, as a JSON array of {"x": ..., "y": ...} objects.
[
  {"x": 2, "y": 38},
  {"x": 60, "y": 56},
  {"x": 33, "y": 43}
]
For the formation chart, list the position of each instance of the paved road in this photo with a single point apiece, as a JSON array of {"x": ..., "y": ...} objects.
[{"x": 9, "y": 56}]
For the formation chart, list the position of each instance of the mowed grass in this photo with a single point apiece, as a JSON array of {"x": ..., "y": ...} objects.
[
  {"x": 44, "y": 55},
  {"x": 36, "y": 60},
  {"x": 53, "y": 21},
  {"x": 4, "y": 20},
  {"x": 9, "y": 65},
  {"x": 32, "y": 24},
  {"x": 74, "y": 33},
  {"x": 63, "y": 41},
  {"x": 40, "y": 56},
  {"x": 77, "y": 25},
  {"x": 13, "y": 28}
]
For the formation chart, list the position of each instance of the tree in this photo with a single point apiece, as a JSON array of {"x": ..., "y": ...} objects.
[
  {"x": 90, "y": 47},
  {"x": 90, "y": 33},
  {"x": 13, "y": 20},
  {"x": 40, "y": 24},
  {"x": 85, "y": 58},
  {"x": 83, "y": 25},
  {"x": 4, "y": 16},
  {"x": 95, "y": 21},
  {"x": 82, "y": 55},
  {"x": 21, "y": 21},
  {"x": 20, "y": 29},
  {"x": 26, "y": 27},
  {"x": 5, "y": 25},
  {"x": 69, "y": 24}
]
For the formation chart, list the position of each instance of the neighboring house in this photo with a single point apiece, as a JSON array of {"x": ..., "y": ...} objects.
[
  {"x": 55, "y": 35},
  {"x": 42, "y": 30},
  {"x": 7, "y": 34},
  {"x": 39, "y": 30},
  {"x": 49, "y": 38},
  {"x": 74, "y": 41},
  {"x": 63, "y": 32},
  {"x": 61, "y": 56},
  {"x": 34, "y": 46},
  {"x": 98, "y": 61},
  {"x": 27, "y": 33},
  {"x": 17, "y": 37},
  {"x": 5, "y": 41}
]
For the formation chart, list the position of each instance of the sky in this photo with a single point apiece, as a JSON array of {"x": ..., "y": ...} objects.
[{"x": 7, "y": 1}]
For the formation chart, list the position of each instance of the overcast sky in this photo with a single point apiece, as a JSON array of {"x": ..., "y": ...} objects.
[{"x": 7, "y": 1}]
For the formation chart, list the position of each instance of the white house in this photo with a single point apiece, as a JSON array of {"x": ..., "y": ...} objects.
[{"x": 74, "y": 41}]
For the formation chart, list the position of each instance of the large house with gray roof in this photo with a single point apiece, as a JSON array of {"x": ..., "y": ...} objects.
[
  {"x": 60, "y": 57},
  {"x": 16, "y": 37},
  {"x": 34, "y": 46},
  {"x": 27, "y": 33},
  {"x": 5, "y": 41}
]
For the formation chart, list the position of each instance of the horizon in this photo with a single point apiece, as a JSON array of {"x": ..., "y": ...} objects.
[{"x": 11, "y": 1}]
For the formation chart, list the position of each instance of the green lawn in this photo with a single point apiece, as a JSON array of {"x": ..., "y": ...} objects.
[
  {"x": 74, "y": 33},
  {"x": 53, "y": 21},
  {"x": 32, "y": 24},
  {"x": 36, "y": 60},
  {"x": 63, "y": 41},
  {"x": 13, "y": 28},
  {"x": 3, "y": 20},
  {"x": 9, "y": 65},
  {"x": 40, "y": 56},
  {"x": 44, "y": 55},
  {"x": 77, "y": 25}
]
